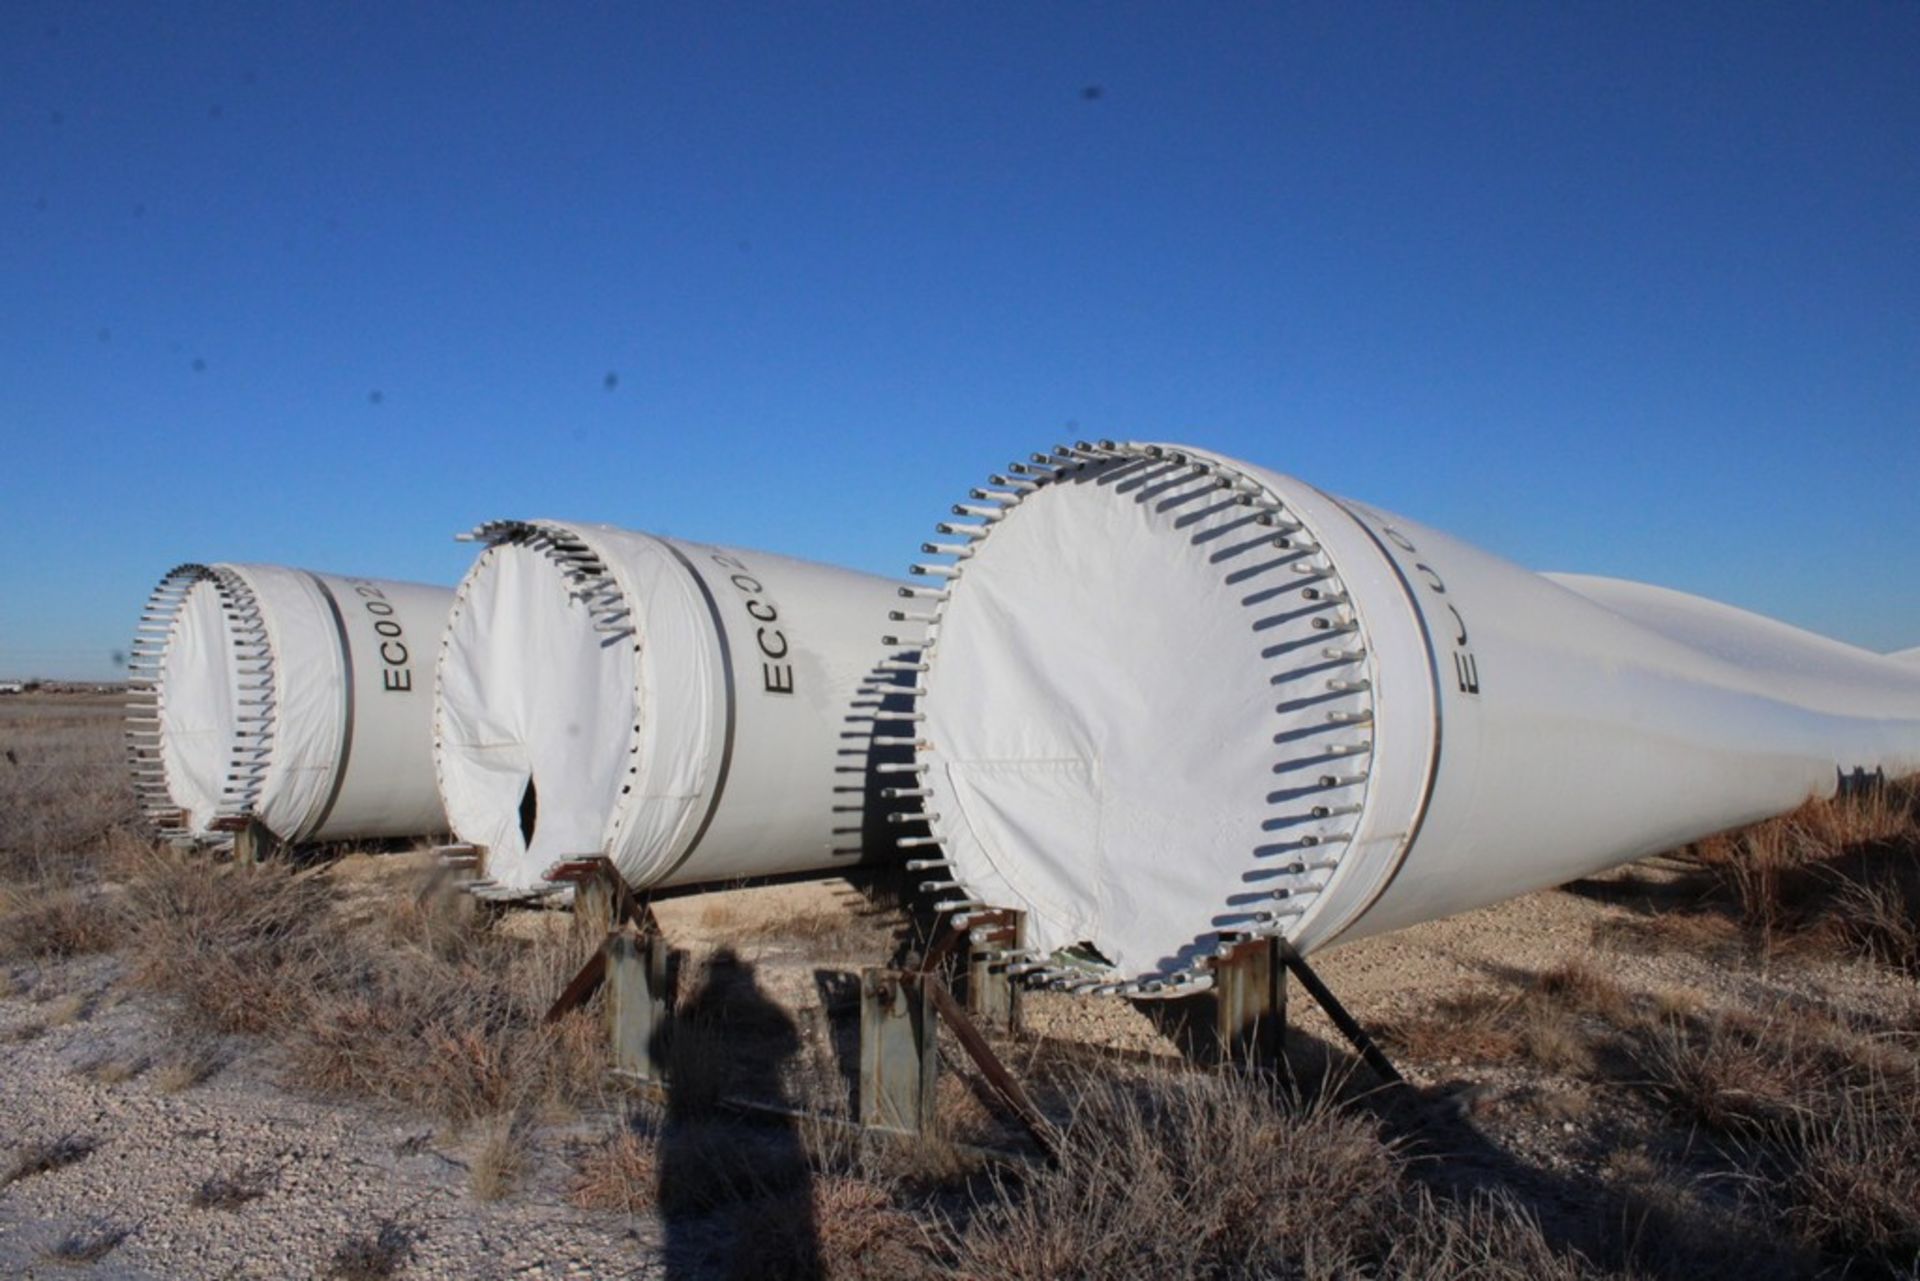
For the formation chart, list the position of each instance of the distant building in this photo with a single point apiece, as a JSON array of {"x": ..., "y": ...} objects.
[{"x": 12, "y": 687}]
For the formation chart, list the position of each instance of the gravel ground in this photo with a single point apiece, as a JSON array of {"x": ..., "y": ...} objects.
[
  {"x": 331, "y": 1173},
  {"x": 328, "y": 1174}
]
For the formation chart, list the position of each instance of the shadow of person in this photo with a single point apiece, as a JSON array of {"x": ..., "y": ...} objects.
[{"x": 735, "y": 1186}]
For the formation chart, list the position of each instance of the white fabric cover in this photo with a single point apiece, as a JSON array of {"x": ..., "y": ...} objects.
[
  {"x": 197, "y": 706},
  {"x": 309, "y": 723},
  {"x": 1093, "y": 698},
  {"x": 681, "y": 708},
  {"x": 612, "y": 728},
  {"x": 674, "y": 761}
]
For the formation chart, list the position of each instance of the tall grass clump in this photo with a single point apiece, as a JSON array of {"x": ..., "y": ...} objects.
[
  {"x": 365, "y": 991},
  {"x": 1852, "y": 1180},
  {"x": 1191, "y": 1177},
  {"x": 1824, "y": 1119},
  {"x": 1839, "y": 874}
]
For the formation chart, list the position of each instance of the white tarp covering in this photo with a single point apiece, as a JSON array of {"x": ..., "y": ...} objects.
[
  {"x": 694, "y": 713},
  {"x": 1171, "y": 697},
  {"x": 295, "y": 697}
]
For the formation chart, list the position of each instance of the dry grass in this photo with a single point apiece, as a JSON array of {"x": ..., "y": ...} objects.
[
  {"x": 1839, "y": 875},
  {"x": 85, "y": 1245},
  {"x": 1212, "y": 1177},
  {"x": 1704, "y": 932},
  {"x": 1554, "y": 1041},
  {"x": 1191, "y": 1177},
  {"x": 364, "y": 992},
  {"x": 842, "y": 1228},
  {"x": 188, "y": 1062},
  {"x": 64, "y": 790},
  {"x": 500, "y": 1162},
  {"x": 1556, "y": 1021},
  {"x": 116, "y": 1070},
  {"x": 373, "y": 1256},
  {"x": 1813, "y": 1113},
  {"x": 1580, "y": 987},
  {"x": 821, "y": 930},
  {"x": 74, "y": 1007},
  {"x": 1879, "y": 915},
  {"x": 620, "y": 1174},
  {"x": 1828, "y": 1118},
  {"x": 229, "y": 1191},
  {"x": 772, "y": 1196},
  {"x": 1852, "y": 1184},
  {"x": 241, "y": 949},
  {"x": 805, "y": 1200},
  {"x": 45, "y": 1158},
  {"x": 1719, "y": 1075},
  {"x": 1476, "y": 1027},
  {"x": 1490, "y": 1236},
  {"x": 43, "y": 922}
]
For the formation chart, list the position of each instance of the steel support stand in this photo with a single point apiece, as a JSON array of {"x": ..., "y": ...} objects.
[
  {"x": 1250, "y": 1007},
  {"x": 899, "y": 1052},
  {"x": 638, "y": 1003},
  {"x": 993, "y": 998},
  {"x": 253, "y": 841},
  {"x": 603, "y": 903},
  {"x": 1342, "y": 1019}
]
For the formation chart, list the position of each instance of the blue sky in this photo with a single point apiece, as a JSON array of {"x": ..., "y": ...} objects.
[{"x": 1626, "y": 289}]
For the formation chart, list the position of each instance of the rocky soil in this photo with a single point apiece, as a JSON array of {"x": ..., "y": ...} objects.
[
  {"x": 83, "y": 1060},
  {"x": 308, "y": 1184}
]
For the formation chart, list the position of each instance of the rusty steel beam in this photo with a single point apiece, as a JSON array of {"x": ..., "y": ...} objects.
[
  {"x": 1348, "y": 1025},
  {"x": 580, "y": 989},
  {"x": 992, "y": 1068}
]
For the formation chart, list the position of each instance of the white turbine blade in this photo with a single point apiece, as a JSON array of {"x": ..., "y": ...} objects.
[{"x": 1171, "y": 696}]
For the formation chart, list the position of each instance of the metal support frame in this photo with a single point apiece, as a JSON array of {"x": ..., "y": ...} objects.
[
  {"x": 900, "y": 1012},
  {"x": 1241, "y": 1021},
  {"x": 993, "y": 998},
  {"x": 639, "y": 1003},
  {"x": 900, "y": 1016},
  {"x": 601, "y": 889},
  {"x": 1250, "y": 1006},
  {"x": 1342, "y": 1019},
  {"x": 601, "y": 896},
  {"x": 993, "y": 1069},
  {"x": 253, "y": 841},
  {"x": 899, "y": 1052}
]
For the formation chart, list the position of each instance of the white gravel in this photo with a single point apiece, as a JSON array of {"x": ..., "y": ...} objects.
[{"x": 330, "y": 1172}]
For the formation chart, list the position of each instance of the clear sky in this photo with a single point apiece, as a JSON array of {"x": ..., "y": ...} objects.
[{"x": 1625, "y": 289}]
